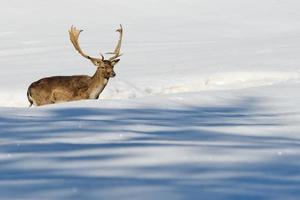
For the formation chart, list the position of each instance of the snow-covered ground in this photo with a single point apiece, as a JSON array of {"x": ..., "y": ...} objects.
[{"x": 204, "y": 104}]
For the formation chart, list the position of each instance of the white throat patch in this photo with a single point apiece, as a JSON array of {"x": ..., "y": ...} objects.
[{"x": 96, "y": 91}]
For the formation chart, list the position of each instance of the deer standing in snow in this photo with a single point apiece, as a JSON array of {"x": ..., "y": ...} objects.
[{"x": 70, "y": 88}]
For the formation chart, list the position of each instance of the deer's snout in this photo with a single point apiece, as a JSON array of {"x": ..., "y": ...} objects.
[{"x": 113, "y": 74}]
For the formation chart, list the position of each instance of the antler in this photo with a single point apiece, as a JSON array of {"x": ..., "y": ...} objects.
[
  {"x": 74, "y": 35},
  {"x": 118, "y": 47}
]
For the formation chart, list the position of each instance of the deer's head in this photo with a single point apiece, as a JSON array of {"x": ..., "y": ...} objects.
[{"x": 106, "y": 66}]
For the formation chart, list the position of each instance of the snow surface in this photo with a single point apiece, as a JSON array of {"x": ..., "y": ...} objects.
[{"x": 205, "y": 104}]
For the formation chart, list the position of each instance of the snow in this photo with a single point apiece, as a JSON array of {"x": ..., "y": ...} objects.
[{"x": 204, "y": 104}]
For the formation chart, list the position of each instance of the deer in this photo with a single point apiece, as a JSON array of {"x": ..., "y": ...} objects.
[{"x": 56, "y": 89}]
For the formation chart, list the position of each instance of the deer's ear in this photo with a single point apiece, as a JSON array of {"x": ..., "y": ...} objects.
[{"x": 115, "y": 62}]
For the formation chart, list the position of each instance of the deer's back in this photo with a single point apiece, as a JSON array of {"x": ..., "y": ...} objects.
[{"x": 62, "y": 82}]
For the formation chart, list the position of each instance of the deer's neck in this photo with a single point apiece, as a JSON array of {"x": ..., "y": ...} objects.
[{"x": 98, "y": 83}]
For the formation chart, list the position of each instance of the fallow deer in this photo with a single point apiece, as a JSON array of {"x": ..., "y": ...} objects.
[{"x": 70, "y": 88}]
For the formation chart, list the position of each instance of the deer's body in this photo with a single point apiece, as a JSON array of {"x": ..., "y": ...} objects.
[
  {"x": 57, "y": 89},
  {"x": 65, "y": 88}
]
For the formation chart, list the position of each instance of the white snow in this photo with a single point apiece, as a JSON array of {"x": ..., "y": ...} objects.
[{"x": 205, "y": 104}]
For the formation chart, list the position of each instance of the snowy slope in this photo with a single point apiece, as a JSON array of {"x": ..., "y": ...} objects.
[
  {"x": 241, "y": 144},
  {"x": 205, "y": 104}
]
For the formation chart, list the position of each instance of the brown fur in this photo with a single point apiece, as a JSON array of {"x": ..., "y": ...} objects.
[{"x": 57, "y": 89}]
